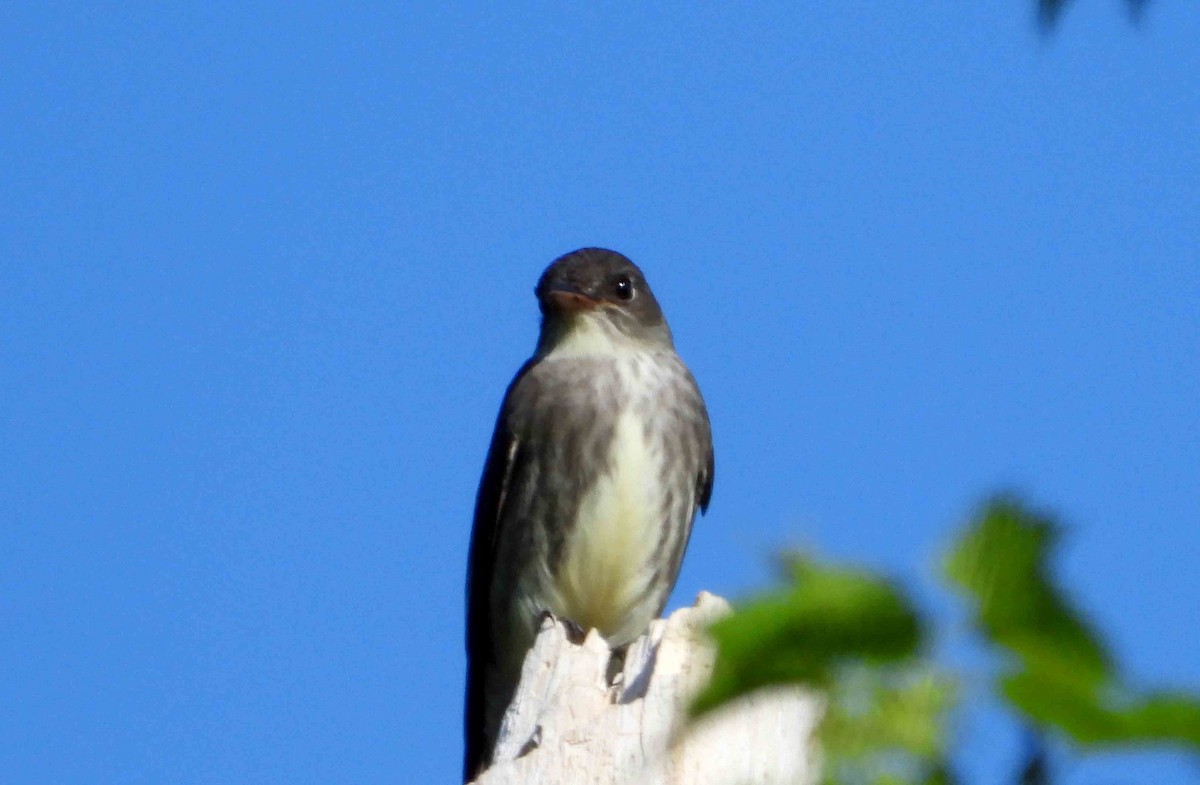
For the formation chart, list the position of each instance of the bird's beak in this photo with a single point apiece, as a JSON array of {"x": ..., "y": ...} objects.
[{"x": 570, "y": 300}]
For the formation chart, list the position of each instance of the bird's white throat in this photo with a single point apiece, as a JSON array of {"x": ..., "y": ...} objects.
[{"x": 588, "y": 334}]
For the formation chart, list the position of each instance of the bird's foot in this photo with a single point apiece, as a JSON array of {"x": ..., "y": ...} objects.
[{"x": 575, "y": 631}]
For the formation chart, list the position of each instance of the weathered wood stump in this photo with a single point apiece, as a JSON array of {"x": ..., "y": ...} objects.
[{"x": 570, "y": 723}]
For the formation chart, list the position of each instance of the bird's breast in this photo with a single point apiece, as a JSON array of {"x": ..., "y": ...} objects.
[{"x": 606, "y": 577}]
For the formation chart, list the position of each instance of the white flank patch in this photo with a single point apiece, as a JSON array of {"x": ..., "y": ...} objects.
[{"x": 604, "y": 574}]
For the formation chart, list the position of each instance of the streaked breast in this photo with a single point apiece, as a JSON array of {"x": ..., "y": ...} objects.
[{"x": 606, "y": 573}]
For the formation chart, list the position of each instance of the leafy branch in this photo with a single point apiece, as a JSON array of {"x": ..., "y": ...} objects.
[
  {"x": 857, "y": 639},
  {"x": 1061, "y": 677}
]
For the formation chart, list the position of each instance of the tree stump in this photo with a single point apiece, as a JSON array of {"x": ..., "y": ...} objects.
[{"x": 573, "y": 721}]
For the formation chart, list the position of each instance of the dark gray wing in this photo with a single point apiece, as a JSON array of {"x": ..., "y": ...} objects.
[
  {"x": 704, "y": 484},
  {"x": 489, "y": 509},
  {"x": 704, "y": 481}
]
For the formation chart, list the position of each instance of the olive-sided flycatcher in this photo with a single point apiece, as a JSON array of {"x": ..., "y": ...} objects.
[{"x": 601, "y": 456}]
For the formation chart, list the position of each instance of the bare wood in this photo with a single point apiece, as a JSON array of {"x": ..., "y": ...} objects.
[{"x": 568, "y": 726}]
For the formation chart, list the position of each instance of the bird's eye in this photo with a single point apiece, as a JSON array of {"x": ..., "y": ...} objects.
[{"x": 623, "y": 287}]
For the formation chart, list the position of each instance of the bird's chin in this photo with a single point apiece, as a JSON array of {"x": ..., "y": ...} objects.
[{"x": 581, "y": 333}]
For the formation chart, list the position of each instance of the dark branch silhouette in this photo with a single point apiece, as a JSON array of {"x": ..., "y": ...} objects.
[{"x": 1049, "y": 12}]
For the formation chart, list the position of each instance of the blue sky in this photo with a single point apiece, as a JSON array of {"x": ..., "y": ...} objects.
[{"x": 265, "y": 272}]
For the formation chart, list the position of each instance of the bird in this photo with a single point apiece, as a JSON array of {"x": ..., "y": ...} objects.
[{"x": 600, "y": 458}]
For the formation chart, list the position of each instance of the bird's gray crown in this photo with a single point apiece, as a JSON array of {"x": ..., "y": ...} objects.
[{"x": 601, "y": 283}]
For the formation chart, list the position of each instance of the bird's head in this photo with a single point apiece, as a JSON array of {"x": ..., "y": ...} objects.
[{"x": 595, "y": 300}]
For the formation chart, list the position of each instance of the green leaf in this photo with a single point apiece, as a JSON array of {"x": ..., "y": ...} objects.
[
  {"x": 1002, "y": 564},
  {"x": 1103, "y": 720},
  {"x": 831, "y": 615},
  {"x": 1062, "y": 704},
  {"x": 1164, "y": 717},
  {"x": 1060, "y": 674},
  {"x": 886, "y": 724},
  {"x": 871, "y": 710}
]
